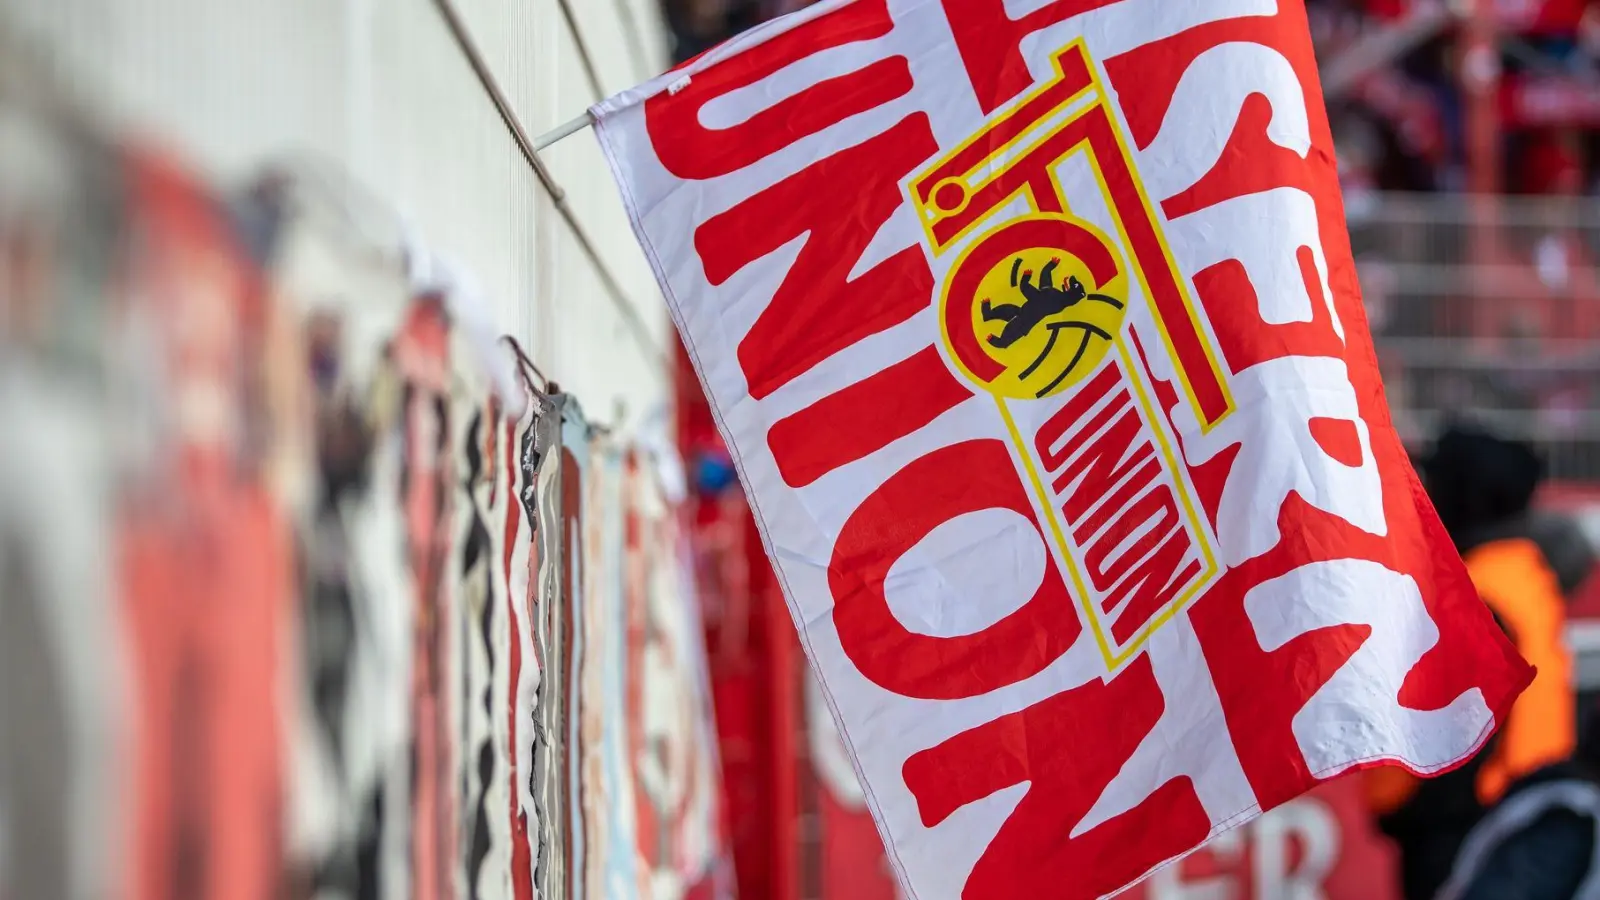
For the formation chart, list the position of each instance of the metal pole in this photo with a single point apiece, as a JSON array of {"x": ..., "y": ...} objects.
[
  {"x": 1480, "y": 82},
  {"x": 564, "y": 130}
]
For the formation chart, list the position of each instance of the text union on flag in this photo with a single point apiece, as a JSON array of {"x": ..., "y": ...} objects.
[{"x": 1034, "y": 330}]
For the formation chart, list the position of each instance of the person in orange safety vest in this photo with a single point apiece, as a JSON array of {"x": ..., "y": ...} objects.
[{"x": 1524, "y": 565}]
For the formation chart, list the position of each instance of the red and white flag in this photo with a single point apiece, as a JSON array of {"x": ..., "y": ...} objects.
[{"x": 1034, "y": 330}]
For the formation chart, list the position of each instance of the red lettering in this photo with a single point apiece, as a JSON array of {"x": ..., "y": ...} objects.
[
  {"x": 1250, "y": 163},
  {"x": 1338, "y": 438},
  {"x": 946, "y": 483},
  {"x": 1151, "y": 586},
  {"x": 1078, "y": 405},
  {"x": 1225, "y": 288},
  {"x": 1146, "y": 79},
  {"x": 690, "y": 150},
  {"x": 817, "y": 310},
  {"x": 990, "y": 42},
  {"x": 1067, "y": 767},
  {"x": 1119, "y": 500},
  {"x": 1262, "y": 690},
  {"x": 1115, "y": 453},
  {"x": 864, "y": 418},
  {"x": 1154, "y": 508}
]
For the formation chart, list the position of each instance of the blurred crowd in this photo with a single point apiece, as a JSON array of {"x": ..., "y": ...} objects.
[
  {"x": 1493, "y": 312},
  {"x": 1400, "y": 124}
]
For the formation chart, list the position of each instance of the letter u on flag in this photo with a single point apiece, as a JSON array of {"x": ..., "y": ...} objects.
[{"x": 1035, "y": 333}]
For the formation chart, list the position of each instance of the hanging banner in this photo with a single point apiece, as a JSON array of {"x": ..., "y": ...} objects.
[
  {"x": 350, "y": 753},
  {"x": 540, "y": 561},
  {"x": 648, "y": 808},
  {"x": 603, "y": 822},
  {"x": 203, "y": 515},
  {"x": 1039, "y": 346},
  {"x": 672, "y": 736}
]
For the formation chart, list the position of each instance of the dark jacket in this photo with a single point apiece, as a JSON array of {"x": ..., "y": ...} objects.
[{"x": 1538, "y": 843}]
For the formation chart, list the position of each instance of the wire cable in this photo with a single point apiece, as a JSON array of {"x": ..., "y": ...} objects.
[
  {"x": 613, "y": 288},
  {"x": 584, "y": 56}
]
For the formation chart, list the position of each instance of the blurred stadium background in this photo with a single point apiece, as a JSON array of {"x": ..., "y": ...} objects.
[{"x": 1468, "y": 137}]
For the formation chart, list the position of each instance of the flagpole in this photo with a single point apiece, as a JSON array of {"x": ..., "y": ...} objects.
[{"x": 562, "y": 131}]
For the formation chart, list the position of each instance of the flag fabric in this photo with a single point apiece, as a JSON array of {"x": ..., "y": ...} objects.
[{"x": 1034, "y": 330}]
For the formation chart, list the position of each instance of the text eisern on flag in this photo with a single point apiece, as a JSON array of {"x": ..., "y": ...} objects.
[{"x": 1035, "y": 333}]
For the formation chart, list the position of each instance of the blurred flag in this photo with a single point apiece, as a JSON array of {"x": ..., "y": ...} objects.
[{"x": 1039, "y": 346}]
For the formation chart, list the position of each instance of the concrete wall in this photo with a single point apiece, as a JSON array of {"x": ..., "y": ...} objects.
[{"x": 380, "y": 87}]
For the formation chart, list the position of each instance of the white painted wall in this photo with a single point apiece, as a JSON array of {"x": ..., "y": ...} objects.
[{"x": 381, "y": 87}]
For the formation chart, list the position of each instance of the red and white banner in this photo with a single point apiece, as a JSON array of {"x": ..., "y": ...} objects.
[
  {"x": 1321, "y": 846},
  {"x": 1034, "y": 330}
]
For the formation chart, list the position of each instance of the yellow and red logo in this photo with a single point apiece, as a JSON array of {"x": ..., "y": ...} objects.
[
  {"x": 1034, "y": 305},
  {"x": 1054, "y": 243}
]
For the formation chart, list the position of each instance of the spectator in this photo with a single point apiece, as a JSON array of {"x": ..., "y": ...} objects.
[{"x": 1522, "y": 565}]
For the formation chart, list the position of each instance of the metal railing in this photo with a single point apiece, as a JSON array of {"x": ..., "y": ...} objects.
[{"x": 1488, "y": 308}]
